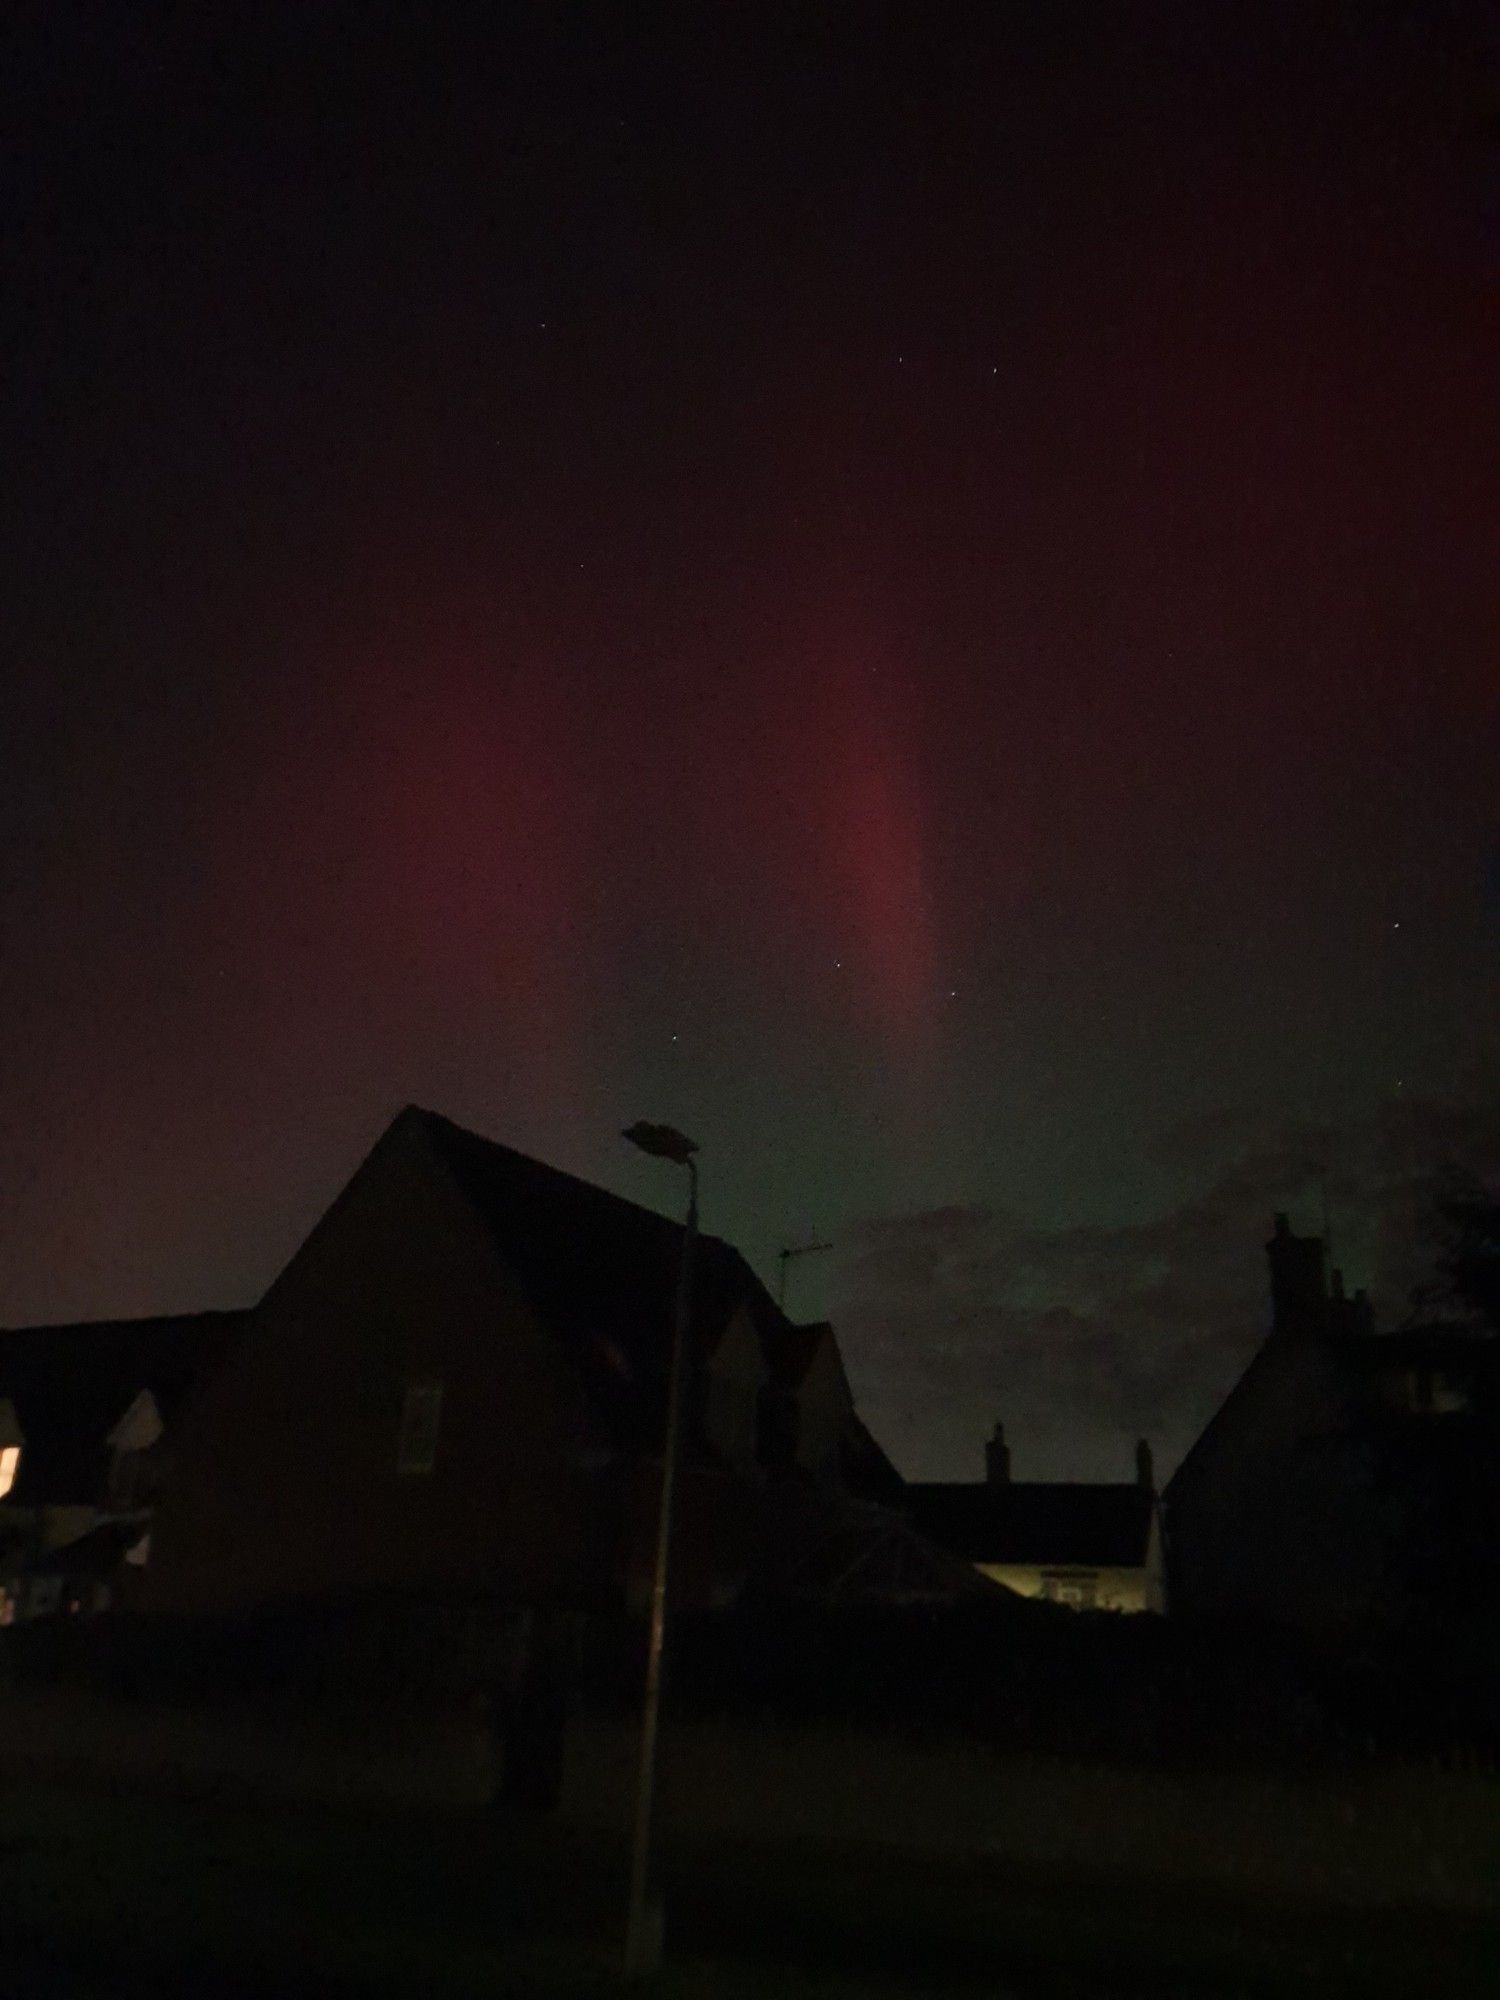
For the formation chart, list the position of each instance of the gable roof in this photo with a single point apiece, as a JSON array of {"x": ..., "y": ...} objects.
[
  {"x": 601, "y": 1272},
  {"x": 868, "y": 1471},
  {"x": 791, "y": 1351},
  {"x": 70, "y": 1385},
  {"x": 1265, "y": 1360},
  {"x": 1019, "y": 1522},
  {"x": 1343, "y": 1345}
]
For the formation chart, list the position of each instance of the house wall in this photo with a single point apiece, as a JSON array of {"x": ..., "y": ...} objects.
[
  {"x": 736, "y": 1374},
  {"x": 1115, "y": 1589},
  {"x": 1156, "y": 1563},
  {"x": 716, "y": 1522},
  {"x": 285, "y": 1481},
  {"x": 1272, "y": 1518}
]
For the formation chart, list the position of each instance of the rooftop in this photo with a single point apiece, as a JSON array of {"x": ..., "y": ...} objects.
[
  {"x": 1019, "y": 1522},
  {"x": 69, "y": 1385}
]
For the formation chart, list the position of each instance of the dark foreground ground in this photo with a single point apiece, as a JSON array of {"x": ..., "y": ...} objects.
[{"x": 118, "y": 1892}]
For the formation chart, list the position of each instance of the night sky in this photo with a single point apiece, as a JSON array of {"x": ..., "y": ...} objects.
[{"x": 908, "y": 589}]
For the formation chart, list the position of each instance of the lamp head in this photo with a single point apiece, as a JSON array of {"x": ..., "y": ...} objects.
[{"x": 662, "y": 1142}]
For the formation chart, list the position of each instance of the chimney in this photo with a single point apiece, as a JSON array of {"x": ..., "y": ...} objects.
[
  {"x": 1299, "y": 1291},
  {"x": 1145, "y": 1469},
  {"x": 1348, "y": 1314},
  {"x": 997, "y": 1459}
]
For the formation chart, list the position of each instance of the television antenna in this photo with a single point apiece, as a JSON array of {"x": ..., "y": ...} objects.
[
  {"x": 785, "y": 1257},
  {"x": 1320, "y": 1174}
]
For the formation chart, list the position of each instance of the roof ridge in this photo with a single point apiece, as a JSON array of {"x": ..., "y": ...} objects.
[
  {"x": 446, "y": 1125},
  {"x": 132, "y": 1320}
]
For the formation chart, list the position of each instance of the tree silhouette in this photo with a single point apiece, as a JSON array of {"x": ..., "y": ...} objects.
[{"x": 1464, "y": 1230}]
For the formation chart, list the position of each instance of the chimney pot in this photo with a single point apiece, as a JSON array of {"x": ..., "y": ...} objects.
[
  {"x": 997, "y": 1458},
  {"x": 1145, "y": 1468}
]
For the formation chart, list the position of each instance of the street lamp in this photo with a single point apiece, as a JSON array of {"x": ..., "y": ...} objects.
[{"x": 643, "y": 1927}]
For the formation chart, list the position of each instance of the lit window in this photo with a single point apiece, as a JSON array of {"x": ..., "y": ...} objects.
[
  {"x": 1079, "y": 1591},
  {"x": 10, "y": 1463},
  {"x": 416, "y": 1447}
]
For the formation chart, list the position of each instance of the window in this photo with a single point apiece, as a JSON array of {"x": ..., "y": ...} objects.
[
  {"x": 1079, "y": 1591},
  {"x": 10, "y": 1465},
  {"x": 416, "y": 1447}
]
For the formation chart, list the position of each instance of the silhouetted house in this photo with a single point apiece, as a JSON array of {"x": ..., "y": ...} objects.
[
  {"x": 1349, "y": 1481},
  {"x": 804, "y": 1415},
  {"x": 458, "y": 1386},
  {"x": 87, "y": 1418},
  {"x": 1092, "y": 1547}
]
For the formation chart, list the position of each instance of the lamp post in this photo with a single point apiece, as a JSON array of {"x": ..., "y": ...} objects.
[{"x": 643, "y": 1924}]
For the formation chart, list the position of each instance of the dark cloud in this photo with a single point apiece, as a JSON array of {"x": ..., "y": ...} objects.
[{"x": 1084, "y": 1338}]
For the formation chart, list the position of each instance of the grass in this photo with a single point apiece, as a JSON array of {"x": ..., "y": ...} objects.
[{"x": 118, "y": 1892}]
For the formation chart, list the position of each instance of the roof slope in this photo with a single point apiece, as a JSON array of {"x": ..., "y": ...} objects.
[
  {"x": 1266, "y": 1359},
  {"x": 1018, "y": 1522},
  {"x": 867, "y": 1469},
  {"x": 70, "y": 1384},
  {"x": 859, "y": 1554},
  {"x": 601, "y": 1271}
]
